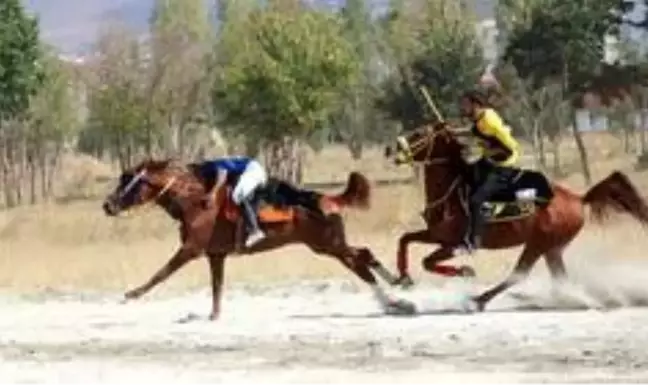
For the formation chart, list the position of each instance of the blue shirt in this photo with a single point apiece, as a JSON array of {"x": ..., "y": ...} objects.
[{"x": 235, "y": 166}]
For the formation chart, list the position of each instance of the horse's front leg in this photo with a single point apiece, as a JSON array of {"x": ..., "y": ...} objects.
[
  {"x": 179, "y": 259},
  {"x": 402, "y": 257},
  {"x": 217, "y": 273}
]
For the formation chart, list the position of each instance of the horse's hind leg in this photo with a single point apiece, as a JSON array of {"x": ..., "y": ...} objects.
[
  {"x": 355, "y": 261},
  {"x": 332, "y": 241},
  {"x": 359, "y": 261},
  {"x": 576, "y": 295},
  {"x": 365, "y": 256},
  {"x": 521, "y": 270},
  {"x": 556, "y": 264}
]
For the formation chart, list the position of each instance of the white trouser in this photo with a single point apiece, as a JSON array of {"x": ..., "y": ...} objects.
[{"x": 252, "y": 178}]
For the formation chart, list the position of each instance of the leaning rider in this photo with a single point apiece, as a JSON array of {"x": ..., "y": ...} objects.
[
  {"x": 246, "y": 175},
  {"x": 493, "y": 169}
]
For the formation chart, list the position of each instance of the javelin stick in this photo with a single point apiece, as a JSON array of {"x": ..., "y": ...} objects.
[
  {"x": 431, "y": 104},
  {"x": 436, "y": 110}
]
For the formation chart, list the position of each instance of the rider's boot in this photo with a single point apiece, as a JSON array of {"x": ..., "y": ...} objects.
[
  {"x": 472, "y": 238},
  {"x": 255, "y": 234}
]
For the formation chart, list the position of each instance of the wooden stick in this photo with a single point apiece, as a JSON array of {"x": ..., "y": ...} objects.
[{"x": 431, "y": 104}]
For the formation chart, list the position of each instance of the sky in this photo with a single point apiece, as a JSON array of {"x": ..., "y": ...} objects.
[{"x": 72, "y": 25}]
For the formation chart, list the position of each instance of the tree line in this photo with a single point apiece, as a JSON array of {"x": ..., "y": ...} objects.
[{"x": 275, "y": 76}]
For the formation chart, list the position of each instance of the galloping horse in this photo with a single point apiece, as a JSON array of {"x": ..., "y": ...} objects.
[
  {"x": 545, "y": 224},
  {"x": 215, "y": 231}
]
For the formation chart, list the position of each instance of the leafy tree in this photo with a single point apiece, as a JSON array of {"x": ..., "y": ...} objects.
[
  {"x": 436, "y": 46},
  {"x": 180, "y": 71},
  {"x": 564, "y": 40},
  {"x": 20, "y": 79},
  {"x": 283, "y": 71},
  {"x": 54, "y": 121},
  {"x": 116, "y": 97},
  {"x": 358, "y": 113},
  {"x": 560, "y": 42}
]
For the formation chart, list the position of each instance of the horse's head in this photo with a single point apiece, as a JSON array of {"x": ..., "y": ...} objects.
[
  {"x": 147, "y": 182},
  {"x": 427, "y": 143}
]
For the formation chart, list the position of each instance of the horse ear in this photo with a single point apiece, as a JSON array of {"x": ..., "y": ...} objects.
[
  {"x": 162, "y": 164},
  {"x": 155, "y": 165}
]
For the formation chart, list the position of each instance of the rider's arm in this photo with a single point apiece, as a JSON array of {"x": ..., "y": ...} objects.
[
  {"x": 491, "y": 124},
  {"x": 220, "y": 181}
]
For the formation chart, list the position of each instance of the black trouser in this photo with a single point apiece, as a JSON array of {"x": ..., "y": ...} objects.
[{"x": 487, "y": 179}]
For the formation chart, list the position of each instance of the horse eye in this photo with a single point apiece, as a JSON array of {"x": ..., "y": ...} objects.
[{"x": 124, "y": 179}]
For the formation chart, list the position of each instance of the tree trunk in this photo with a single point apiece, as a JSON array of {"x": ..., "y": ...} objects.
[
  {"x": 356, "y": 147},
  {"x": 538, "y": 147},
  {"x": 557, "y": 168},
  {"x": 52, "y": 169},
  {"x": 31, "y": 165},
  {"x": 283, "y": 160},
  {"x": 4, "y": 177},
  {"x": 9, "y": 169},
  {"x": 643, "y": 123},
  {"x": 42, "y": 163},
  {"x": 582, "y": 151}
]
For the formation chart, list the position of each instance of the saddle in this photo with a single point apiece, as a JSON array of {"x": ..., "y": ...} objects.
[
  {"x": 277, "y": 201},
  {"x": 528, "y": 191}
]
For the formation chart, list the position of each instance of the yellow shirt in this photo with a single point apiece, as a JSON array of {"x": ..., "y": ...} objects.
[{"x": 495, "y": 139}]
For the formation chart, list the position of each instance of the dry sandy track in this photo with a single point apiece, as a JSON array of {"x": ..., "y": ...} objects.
[{"x": 316, "y": 332}]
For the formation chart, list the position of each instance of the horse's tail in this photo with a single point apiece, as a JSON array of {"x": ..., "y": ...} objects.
[
  {"x": 357, "y": 193},
  {"x": 616, "y": 193}
]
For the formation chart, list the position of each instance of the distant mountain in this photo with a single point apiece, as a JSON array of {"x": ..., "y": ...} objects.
[{"x": 71, "y": 25}]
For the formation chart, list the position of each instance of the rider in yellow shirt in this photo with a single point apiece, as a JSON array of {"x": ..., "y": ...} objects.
[{"x": 493, "y": 171}]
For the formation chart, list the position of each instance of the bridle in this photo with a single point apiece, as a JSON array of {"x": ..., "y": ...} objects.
[
  {"x": 407, "y": 151},
  {"x": 143, "y": 176}
]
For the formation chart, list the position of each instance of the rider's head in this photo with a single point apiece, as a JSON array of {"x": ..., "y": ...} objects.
[{"x": 471, "y": 101}]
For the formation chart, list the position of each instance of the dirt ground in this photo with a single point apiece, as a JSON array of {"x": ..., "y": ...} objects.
[{"x": 291, "y": 316}]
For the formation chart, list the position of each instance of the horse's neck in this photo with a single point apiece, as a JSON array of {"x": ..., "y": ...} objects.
[
  {"x": 177, "y": 207},
  {"x": 439, "y": 181}
]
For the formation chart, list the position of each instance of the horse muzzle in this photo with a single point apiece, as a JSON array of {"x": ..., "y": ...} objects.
[
  {"x": 398, "y": 156},
  {"x": 110, "y": 207},
  {"x": 389, "y": 152}
]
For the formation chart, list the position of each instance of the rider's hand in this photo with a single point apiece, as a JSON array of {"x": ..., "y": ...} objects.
[{"x": 208, "y": 201}]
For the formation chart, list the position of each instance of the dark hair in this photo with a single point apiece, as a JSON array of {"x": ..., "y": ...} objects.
[{"x": 476, "y": 97}]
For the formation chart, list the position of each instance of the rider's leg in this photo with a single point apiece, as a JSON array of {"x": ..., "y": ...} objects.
[
  {"x": 491, "y": 181},
  {"x": 244, "y": 196}
]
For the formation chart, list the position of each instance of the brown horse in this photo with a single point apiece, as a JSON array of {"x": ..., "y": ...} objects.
[
  {"x": 545, "y": 225},
  {"x": 216, "y": 231}
]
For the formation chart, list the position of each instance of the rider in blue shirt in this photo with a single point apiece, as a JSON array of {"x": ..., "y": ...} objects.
[{"x": 246, "y": 175}]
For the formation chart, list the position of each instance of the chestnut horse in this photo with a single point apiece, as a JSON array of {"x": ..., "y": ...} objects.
[
  {"x": 215, "y": 231},
  {"x": 544, "y": 225}
]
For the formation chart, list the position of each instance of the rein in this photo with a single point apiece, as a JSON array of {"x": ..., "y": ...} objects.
[
  {"x": 429, "y": 139},
  {"x": 141, "y": 176}
]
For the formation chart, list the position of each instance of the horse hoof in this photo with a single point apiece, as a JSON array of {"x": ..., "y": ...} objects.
[
  {"x": 404, "y": 281},
  {"x": 466, "y": 271},
  {"x": 132, "y": 295},
  {"x": 479, "y": 304},
  {"x": 400, "y": 307}
]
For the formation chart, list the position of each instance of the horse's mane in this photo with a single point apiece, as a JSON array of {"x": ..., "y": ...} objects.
[
  {"x": 162, "y": 164},
  {"x": 185, "y": 173}
]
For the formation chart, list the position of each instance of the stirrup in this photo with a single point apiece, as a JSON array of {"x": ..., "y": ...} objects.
[{"x": 466, "y": 247}]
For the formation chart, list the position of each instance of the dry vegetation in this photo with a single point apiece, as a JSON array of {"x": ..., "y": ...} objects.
[{"x": 73, "y": 246}]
